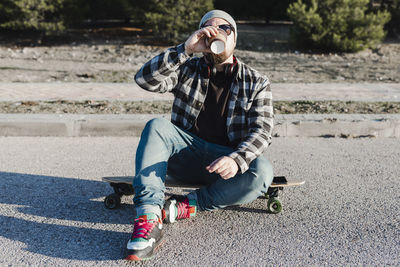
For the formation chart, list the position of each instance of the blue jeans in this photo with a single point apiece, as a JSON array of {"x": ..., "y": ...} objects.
[{"x": 167, "y": 149}]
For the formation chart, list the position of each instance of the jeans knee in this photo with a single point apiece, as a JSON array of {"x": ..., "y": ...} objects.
[
  {"x": 156, "y": 125},
  {"x": 263, "y": 173}
]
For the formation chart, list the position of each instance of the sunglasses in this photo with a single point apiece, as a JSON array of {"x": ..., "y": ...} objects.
[{"x": 225, "y": 27}]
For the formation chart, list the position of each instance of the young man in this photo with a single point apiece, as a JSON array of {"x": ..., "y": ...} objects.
[{"x": 222, "y": 120}]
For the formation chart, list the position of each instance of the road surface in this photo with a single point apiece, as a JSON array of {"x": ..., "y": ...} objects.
[{"x": 347, "y": 213}]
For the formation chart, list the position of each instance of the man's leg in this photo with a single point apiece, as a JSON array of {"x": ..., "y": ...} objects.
[
  {"x": 160, "y": 141},
  {"x": 220, "y": 193},
  {"x": 163, "y": 146},
  {"x": 240, "y": 189}
]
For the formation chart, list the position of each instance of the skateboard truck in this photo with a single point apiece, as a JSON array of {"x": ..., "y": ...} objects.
[
  {"x": 113, "y": 201},
  {"x": 274, "y": 205}
]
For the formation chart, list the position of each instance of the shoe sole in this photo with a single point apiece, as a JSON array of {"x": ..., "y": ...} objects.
[
  {"x": 156, "y": 248},
  {"x": 169, "y": 210}
]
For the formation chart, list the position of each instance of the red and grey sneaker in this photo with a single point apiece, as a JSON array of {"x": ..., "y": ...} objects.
[
  {"x": 179, "y": 207},
  {"x": 146, "y": 238}
]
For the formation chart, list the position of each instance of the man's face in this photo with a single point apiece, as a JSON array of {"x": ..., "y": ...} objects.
[{"x": 229, "y": 46}]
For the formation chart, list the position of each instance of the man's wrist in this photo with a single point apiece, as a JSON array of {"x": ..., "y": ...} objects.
[
  {"x": 182, "y": 55},
  {"x": 240, "y": 161},
  {"x": 188, "y": 51}
]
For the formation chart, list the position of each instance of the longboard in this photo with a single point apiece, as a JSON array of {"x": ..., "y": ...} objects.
[{"x": 122, "y": 185}]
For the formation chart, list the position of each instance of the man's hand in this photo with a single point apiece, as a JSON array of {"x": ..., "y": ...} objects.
[
  {"x": 196, "y": 43},
  {"x": 224, "y": 166}
]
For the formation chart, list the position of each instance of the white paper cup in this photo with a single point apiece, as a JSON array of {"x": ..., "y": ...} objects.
[
  {"x": 217, "y": 43},
  {"x": 217, "y": 46}
]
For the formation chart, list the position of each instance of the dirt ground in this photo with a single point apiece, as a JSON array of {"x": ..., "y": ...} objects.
[
  {"x": 164, "y": 107},
  {"x": 99, "y": 56}
]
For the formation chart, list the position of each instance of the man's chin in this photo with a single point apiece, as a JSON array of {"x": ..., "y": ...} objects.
[{"x": 216, "y": 59}]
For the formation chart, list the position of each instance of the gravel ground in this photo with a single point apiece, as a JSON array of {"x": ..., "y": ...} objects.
[{"x": 109, "y": 58}]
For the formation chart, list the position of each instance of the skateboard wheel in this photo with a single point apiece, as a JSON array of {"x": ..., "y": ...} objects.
[
  {"x": 274, "y": 206},
  {"x": 112, "y": 201}
]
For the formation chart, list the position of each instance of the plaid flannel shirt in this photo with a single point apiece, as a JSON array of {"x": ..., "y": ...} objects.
[{"x": 250, "y": 112}]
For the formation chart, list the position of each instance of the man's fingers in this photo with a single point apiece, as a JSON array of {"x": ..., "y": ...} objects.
[
  {"x": 226, "y": 173},
  {"x": 214, "y": 165},
  {"x": 215, "y": 30},
  {"x": 206, "y": 32},
  {"x": 197, "y": 41},
  {"x": 224, "y": 166},
  {"x": 220, "y": 166},
  {"x": 222, "y": 169},
  {"x": 226, "y": 177},
  {"x": 210, "y": 31}
]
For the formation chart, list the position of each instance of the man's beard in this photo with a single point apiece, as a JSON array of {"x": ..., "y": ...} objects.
[{"x": 214, "y": 59}]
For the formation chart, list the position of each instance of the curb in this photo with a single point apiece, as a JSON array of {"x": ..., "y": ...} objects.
[
  {"x": 303, "y": 125},
  {"x": 338, "y": 125}
]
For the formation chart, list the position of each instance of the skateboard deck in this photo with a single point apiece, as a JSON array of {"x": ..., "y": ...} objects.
[
  {"x": 122, "y": 185},
  {"x": 278, "y": 181}
]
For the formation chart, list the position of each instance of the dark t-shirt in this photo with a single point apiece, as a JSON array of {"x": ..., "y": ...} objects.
[{"x": 211, "y": 122}]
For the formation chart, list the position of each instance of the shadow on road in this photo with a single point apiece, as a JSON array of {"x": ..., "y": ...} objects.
[
  {"x": 62, "y": 217},
  {"x": 248, "y": 209}
]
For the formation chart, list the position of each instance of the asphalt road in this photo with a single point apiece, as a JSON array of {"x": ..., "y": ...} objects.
[{"x": 347, "y": 213}]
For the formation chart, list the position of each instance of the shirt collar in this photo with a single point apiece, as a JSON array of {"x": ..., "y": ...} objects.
[{"x": 239, "y": 69}]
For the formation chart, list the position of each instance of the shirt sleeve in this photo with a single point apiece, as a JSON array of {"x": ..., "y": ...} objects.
[
  {"x": 260, "y": 123},
  {"x": 160, "y": 74}
]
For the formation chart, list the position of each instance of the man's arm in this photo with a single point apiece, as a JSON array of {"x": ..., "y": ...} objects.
[
  {"x": 257, "y": 140},
  {"x": 260, "y": 122},
  {"x": 160, "y": 74}
]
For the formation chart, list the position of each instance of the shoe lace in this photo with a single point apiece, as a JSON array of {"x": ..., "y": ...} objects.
[
  {"x": 142, "y": 228},
  {"x": 184, "y": 209}
]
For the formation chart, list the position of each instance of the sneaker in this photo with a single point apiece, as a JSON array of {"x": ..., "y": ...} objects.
[
  {"x": 179, "y": 207},
  {"x": 146, "y": 238}
]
